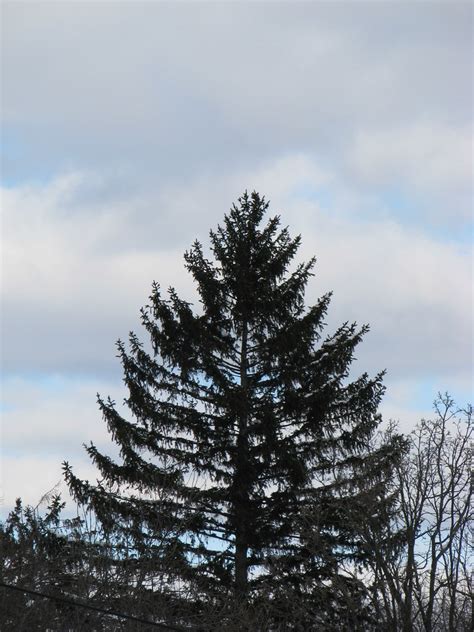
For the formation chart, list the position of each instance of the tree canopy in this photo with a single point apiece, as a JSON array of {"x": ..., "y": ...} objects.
[{"x": 247, "y": 458}]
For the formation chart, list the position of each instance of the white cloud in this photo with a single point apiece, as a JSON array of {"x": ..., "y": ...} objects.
[
  {"x": 46, "y": 420},
  {"x": 31, "y": 478},
  {"x": 410, "y": 288},
  {"x": 434, "y": 160},
  {"x": 57, "y": 412},
  {"x": 74, "y": 273},
  {"x": 68, "y": 293}
]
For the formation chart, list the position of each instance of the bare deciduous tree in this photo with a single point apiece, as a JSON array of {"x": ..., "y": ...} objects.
[{"x": 423, "y": 583}]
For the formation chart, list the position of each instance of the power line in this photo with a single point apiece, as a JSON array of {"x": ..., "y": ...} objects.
[{"x": 78, "y": 604}]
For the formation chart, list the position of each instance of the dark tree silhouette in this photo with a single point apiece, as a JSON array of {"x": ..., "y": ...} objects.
[
  {"x": 424, "y": 582},
  {"x": 248, "y": 452},
  {"x": 44, "y": 552}
]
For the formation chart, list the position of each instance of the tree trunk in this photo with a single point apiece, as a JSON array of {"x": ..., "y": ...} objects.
[
  {"x": 407, "y": 614},
  {"x": 242, "y": 479}
]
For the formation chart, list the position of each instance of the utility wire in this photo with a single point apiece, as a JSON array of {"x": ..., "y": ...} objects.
[{"x": 78, "y": 604}]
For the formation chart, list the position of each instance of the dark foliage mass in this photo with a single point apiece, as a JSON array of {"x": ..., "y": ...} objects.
[{"x": 253, "y": 490}]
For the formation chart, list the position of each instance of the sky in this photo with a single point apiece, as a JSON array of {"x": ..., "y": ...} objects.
[{"x": 128, "y": 130}]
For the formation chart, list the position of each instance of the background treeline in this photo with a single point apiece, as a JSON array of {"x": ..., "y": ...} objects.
[
  {"x": 254, "y": 489},
  {"x": 417, "y": 575}
]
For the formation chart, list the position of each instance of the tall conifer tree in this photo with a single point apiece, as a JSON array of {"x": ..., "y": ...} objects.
[{"x": 246, "y": 462}]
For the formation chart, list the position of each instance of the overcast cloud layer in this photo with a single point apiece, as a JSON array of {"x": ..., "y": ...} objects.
[{"x": 130, "y": 128}]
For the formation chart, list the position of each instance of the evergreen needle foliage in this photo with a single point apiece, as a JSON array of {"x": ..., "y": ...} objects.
[{"x": 246, "y": 463}]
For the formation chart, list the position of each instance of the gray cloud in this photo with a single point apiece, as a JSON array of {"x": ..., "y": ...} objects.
[
  {"x": 130, "y": 128},
  {"x": 170, "y": 91}
]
